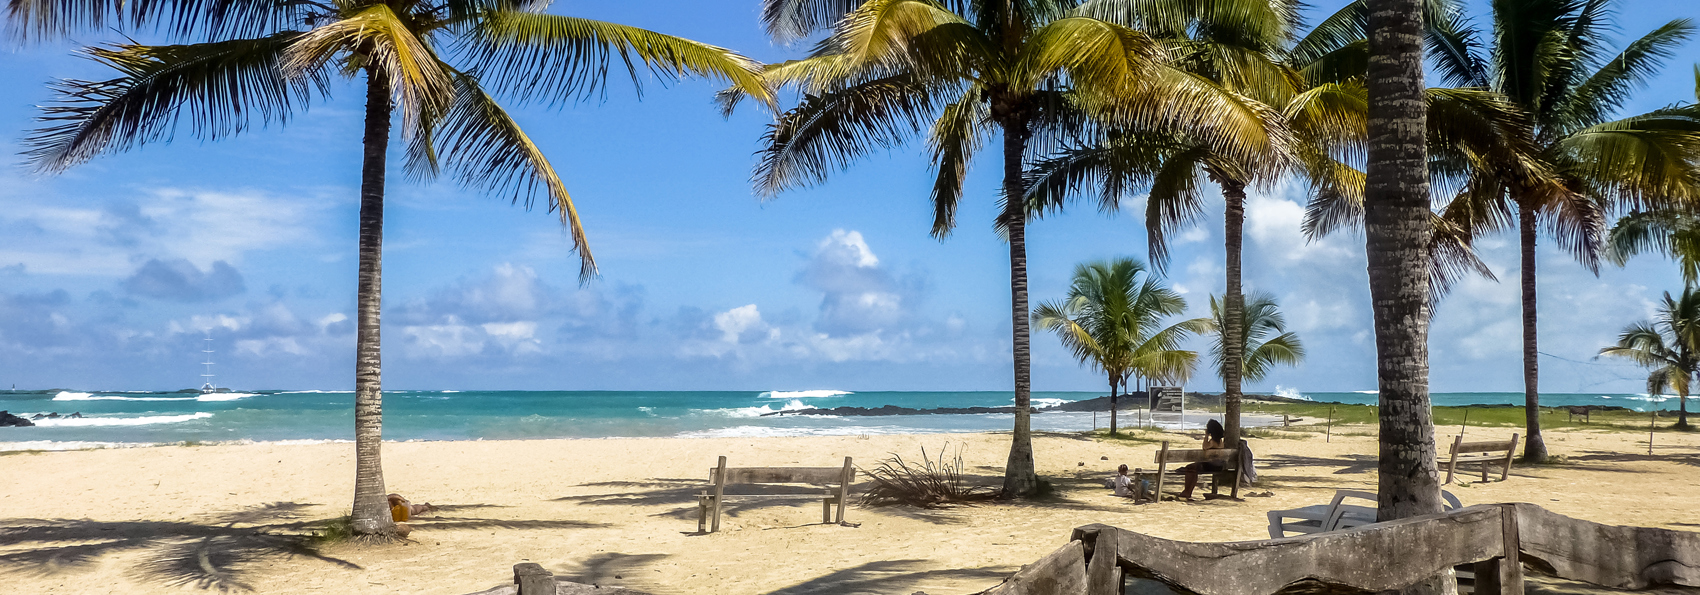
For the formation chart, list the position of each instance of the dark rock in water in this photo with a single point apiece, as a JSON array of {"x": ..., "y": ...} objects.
[
  {"x": 76, "y": 414},
  {"x": 9, "y": 420},
  {"x": 895, "y": 410}
]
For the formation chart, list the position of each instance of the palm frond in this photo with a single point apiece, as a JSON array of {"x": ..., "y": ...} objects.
[
  {"x": 1675, "y": 234},
  {"x": 790, "y": 20},
  {"x": 214, "y": 19},
  {"x": 828, "y": 132},
  {"x": 1640, "y": 162},
  {"x": 957, "y": 135},
  {"x": 419, "y": 81},
  {"x": 218, "y": 89},
  {"x": 485, "y": 150},
  {"x": 1099, "y": 56},
  {"x": 1603, "y": 93},
  {"x": 558, "y": 58}
]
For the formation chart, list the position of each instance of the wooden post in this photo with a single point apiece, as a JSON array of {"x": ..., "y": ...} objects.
[
  {"x": 1103, "y": 575},
  {"x": 1162, "y": 469},
  {"x": 844, "y": 487},
  {"x": 1452, "y": 461},
  {"x": 1466, "y": 423},
  {"x": 1505, "y": 468},
  {"x": 533, "y": 579},
  {"x": 1652, "y": 423},
  {"x": 1286, "y": 421},
  {"x": 1328, "y": 435},
  {"x": 719, "y": 491}
]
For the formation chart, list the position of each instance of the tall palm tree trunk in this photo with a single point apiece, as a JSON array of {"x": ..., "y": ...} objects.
[
  {"x": 1535, "y": 447},
  {"x": 1113, "y": 384},
  {"x": 1397, "y": 232},
  {"x": 1233, "y": 311},
  {"x": 1020, "y": 478},
  {"x": 371, "y": 510}
]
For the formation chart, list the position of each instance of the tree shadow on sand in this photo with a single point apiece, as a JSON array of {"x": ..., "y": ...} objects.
[
  {"x": 681, "y": 496},
  {"x": 893, "y": 577},
  {"x": 215, "y": 553}
]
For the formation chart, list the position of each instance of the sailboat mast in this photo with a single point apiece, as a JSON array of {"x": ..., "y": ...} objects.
[{"x": 207, "y": 384}]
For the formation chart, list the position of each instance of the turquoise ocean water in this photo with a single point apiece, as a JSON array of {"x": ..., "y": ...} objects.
[{"x": 134, "y": 418}]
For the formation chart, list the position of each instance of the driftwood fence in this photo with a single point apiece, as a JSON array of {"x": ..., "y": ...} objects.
[{"x": 1374, "y": 558}]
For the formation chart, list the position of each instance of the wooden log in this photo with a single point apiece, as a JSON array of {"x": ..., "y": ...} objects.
[
  {"x": 1505, "y": 470},
  {"x": 1063, "y": 572},
  {"x": 1379, "y": 557},
  {"x": 1452, "y": 460},
  {"x": 1103, "y": 573},
  {"x": 1618, "y": 557},
  {"x": 532, "y": 579}
]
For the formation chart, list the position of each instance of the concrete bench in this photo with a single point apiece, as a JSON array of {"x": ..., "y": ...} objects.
[{"x": 835, "y": 480}]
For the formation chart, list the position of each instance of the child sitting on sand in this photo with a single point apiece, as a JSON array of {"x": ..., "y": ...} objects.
[{"x": 1122, "y": 483}]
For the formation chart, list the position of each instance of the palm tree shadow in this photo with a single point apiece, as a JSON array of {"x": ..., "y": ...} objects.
[
  {"x": 604, "y": 567},
  {"x": 1348, "y": 464},
  {"x": 215, "y": 553},
  {"x": 889, "y": 577},
  {"x": 681, "y": 496}
]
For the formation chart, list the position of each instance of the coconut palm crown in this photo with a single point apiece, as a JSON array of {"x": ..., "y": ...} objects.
[
  {"x": 1669, "y": 346},
  {"x": 1262, "y": 318},
  {"x": 963, "y": 71},
  {"x": 1112, "y": 319},
  {"x": 437, "y": 62}
]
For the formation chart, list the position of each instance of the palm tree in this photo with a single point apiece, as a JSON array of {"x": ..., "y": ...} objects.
[
  {"x": 1112, "y": 321},
  {"x": 266, "y": 59},
  {"x": 1669, "y": 345},
  {"x": 1549, "y": 59},
  {"x": 1397, "y": 234},
  {"x": 1249, "y": 48},
  {"x": 1260, "y": 318},
  {"x": 1030, "y": 71}
]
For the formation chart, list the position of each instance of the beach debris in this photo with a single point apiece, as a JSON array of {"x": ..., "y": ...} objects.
[
  {"x": 1104, "y": 458},
  {"x": 1082, "y": 464}
]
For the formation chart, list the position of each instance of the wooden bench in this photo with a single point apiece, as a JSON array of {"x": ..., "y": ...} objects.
[
  {"x": 1484, "y": 453},
  {"x": 1228, "y": 458},
  {"x": 835, "y": 480}
]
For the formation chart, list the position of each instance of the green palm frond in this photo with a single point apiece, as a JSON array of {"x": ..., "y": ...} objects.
[
  {"x": 961, "y": 129},
  {"x": 1453, "y": 46},
  {"x": 1260, "y": 318},
  {"x": 1111, "y": 320},
  {"x": 1639, "y": 162},
  {"x": 217, "y": 89},
  {"x": 415, "y": 74},
  {"x": 486, "y": 150},
  {"x": 215, "y": 19},
  {"x": 1594, "y": 100},
  {"x": 1675, "y": 234},
  {"x": 913, "y": 35},
  {"x": 791, "y": 20},
  {"x": 1237, "y": 129},
  {"x": 558, "y": 58},
  {"x": 1100, "y": 56},
  {"x": 828, "y": 132}
]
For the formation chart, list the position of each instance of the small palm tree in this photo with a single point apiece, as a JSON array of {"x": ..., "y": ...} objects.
[
  {"x": 1112, "y": 320},
  {"x": 1262, "y": 318},
  {"x": 268, "y": 58},
  {"x": 1029, "y": 71},
  {"x": 1669, "y": 345}
]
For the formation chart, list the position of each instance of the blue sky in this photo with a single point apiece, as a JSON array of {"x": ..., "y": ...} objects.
[{"x": 111, "y": 273}]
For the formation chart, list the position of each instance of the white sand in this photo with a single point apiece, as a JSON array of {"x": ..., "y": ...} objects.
[{"x": 622, "y": 511}]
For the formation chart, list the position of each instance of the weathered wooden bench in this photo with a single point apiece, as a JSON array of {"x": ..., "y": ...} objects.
[
  {"x": 1228, "y": 458},
  {"x": 835, "y": 480},
  {"x": 1489, "y": 453}
]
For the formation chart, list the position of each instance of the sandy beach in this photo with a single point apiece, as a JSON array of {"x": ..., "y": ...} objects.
[{"x": 622, "y": 512}]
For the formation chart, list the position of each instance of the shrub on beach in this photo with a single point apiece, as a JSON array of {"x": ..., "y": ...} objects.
[{"x": 932, "y": 483}]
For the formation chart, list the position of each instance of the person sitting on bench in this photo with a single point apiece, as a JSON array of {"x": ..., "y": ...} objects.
[{"x": 1213, "y": 438}]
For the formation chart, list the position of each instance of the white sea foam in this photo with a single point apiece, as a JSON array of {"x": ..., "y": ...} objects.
[
  {"x": 448, "y": 391},
  {"x": 55, "y": 445},
  {"x": 794, "y": 405},
  {"x": 1291, "y": 393},
  {"x": 649, "y": 411},
  {"x": 64, "y": 422},
  {"x": 1367, "y": 392},
  {"x": 803, "y": 394},
  {"x": 76, "y": 396},
  {"x": 315, "y": 392},
  {"x": 1042, "y": 403},
  {"x": 223, "y": 396}
]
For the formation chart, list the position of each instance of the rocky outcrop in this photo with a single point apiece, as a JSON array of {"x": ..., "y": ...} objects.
[{"x": 9, "y": 420}]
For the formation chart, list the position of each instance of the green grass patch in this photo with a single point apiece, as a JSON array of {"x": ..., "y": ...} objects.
[
  {"x": 20, "y": 452},
  {"x": 1314, "y": 417},
  {"x": 333, "y": 531}
]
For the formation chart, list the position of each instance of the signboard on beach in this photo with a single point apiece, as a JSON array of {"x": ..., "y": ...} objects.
[{"x": 1168, "y": 398}]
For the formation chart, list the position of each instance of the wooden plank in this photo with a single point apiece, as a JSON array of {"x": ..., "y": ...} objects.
[
  {"x": 844, "y": 482},
  {"x": 719, "y": 492},
  {"x": 809, "y": 475},
  {"x": 1379, "y": 557},
  {"x": 1505, "y": 469},
  {"x": 1499, "y": 446},
  {"x": 532, "y": 579},
  {"x": 1452, "y": 459},
  {"x": 1063, "y": 572},
  {"x": 1224, "y": 456},
  {"x": 1162, "y": 470},
  {"x": 1612, "y": 556}
]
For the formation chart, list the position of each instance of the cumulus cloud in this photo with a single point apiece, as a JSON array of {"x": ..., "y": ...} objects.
[
  {"x": 859, "y": 296},
  {"x": 180, "y": 280}
]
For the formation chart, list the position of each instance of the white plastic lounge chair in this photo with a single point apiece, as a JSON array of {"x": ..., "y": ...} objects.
[{"x": 1334, "y": 515}]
